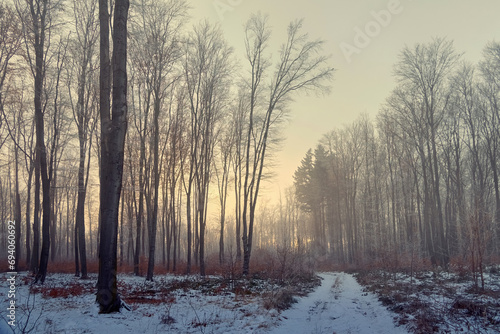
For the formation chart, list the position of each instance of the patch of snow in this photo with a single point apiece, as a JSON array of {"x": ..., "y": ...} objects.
[{"x": 339, "y": 305}]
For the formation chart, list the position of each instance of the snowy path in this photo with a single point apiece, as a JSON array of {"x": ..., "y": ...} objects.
[{"x": 339, "y": 305}]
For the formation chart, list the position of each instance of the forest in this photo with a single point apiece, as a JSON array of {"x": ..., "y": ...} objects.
[
  {"x": 419, "y": 183},
  {"x": 132, "y": 141},
  {"x": 196, "y": 132}
]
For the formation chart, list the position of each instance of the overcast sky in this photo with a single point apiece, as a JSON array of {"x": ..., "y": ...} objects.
[{"x": 363, "y": 79}]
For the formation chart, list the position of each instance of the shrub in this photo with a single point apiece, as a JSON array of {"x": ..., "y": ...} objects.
[{"x": 280, "y": 300}]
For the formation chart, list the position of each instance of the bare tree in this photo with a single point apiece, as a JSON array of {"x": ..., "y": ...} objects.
[
  {"x": 207, "y": 79},
  {"x": 84, "y": 110},
  {"x": 239, "y": 115},
  {"x": 57, "y": 131},
  {"x": 10, "y": 45},
  {"x": 299, "y": 69},
  {"x": 175, "y": 159},
  {"x": 141, "y": 124},
  {"x": 423, "y": 70},
  {"x": 113, "y": 132},
  {"x": 16, "y": 128},
  {"x": 490, "y": 70},
  {"x": 222, "y": 173},
  {"x": 39, "y": 21},
  {"x": 38, "y": 17},
  {"x": 158, "y": 23}
]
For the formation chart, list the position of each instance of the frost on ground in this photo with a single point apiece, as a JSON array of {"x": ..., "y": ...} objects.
[
  {"x": 339, "y": 305},
  {"x": 439, "y": 301},
  {"x": 174, "y": 304},
  {"x": 427, "y": 302},
  {"x": 180, "y": 304}
]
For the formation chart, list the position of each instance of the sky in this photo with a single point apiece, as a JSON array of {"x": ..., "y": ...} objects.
[{"x": 364, "y": 39}]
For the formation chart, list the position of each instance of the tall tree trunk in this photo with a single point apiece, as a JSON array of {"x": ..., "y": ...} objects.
[
  {"x": 189, "y": 229},
  {"x": 53, "y": 216},
  {"x": 173, "y": 233},
  {"x": 17, "y": 213},
  {"x": 77, "y": 257},
  {"x": 201, "y": 220},
  {"x": 121, "y": 230},
  {"x": 80, "y": 220},
  {"x": 113, "y": 132},
  {"x": 156, "y": 180},
  {"x": 67, "y": 223},
  {"x": 82, "y": 122},
  {"x": 237, "y": 191},
  {"x": 221, "y": 240},
  {"x": 28, "y": 215},
  {"x": 443, "y": 243},
  {"x": 39, "y": 16},
  {"x": 140, "y": 210},
  {"x": 130, "y": 246}
]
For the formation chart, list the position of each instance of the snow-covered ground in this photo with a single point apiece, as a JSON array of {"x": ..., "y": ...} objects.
[
  {"x": 177, "y": 304},
  {"x": 439, "y": 301},
  {"x": 339, "y": 305}
]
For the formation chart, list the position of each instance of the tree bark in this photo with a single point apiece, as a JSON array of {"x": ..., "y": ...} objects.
[
  {"x": 113, "y": 132},
  {"x": 39, "y": 15},
  {"x": 156, "y": 180},
  {"x": 17, "y": 213}
]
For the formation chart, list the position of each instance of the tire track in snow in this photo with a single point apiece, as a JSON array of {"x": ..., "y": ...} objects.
[{"x": 339, "y": 305}]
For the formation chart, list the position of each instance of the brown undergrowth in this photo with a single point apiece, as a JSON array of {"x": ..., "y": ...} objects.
[
  {"x": 437, "y": 301},
  {"x": 277, "y": 278}
]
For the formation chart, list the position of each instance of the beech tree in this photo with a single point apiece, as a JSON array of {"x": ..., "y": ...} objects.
[
  {"x": 238, "y": 117},
  {"x": 222, "y": 173},
  {"x": 10, "y": 46},
  {"x": 490, "y": 90},
  {"x": 38, "y": 12},
  {"x": 158, "y": 23},
  {"x": 424, "y": 70},
  {"x": 113, "y": 132},
  {"x": 301, "y": 67},
  {"x": 206, "y": 68},
  {"x": 84, "y": 110},
  {"x": 39, "y": 20}
]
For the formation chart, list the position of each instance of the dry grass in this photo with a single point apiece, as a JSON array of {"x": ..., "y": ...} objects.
[
  {"x": 437, "y": 302},
  {"x": 277, "y": 276},
  {"x": 280, "y": 300},
  {"x": 73, "y": 289}
]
